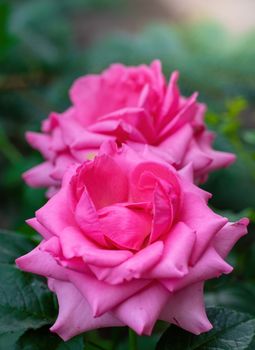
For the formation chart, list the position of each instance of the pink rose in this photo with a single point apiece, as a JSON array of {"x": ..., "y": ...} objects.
[
  {"x": 132, "y": 105},
  {"x": 128, "y": 241}
]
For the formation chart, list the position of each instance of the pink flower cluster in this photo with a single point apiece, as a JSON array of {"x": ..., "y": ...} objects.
[{"x": 128, "y": 237}]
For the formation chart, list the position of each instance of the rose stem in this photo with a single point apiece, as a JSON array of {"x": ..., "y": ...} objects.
[{"x": 132, "y": 340}]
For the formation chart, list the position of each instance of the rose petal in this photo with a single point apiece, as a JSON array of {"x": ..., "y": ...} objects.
[
  {"x": 219, "y": 159},
  {"x": 75, "y": 315},
  {"x": 210, "y": 265},
  {"x": 141, "y": 311},
  {"x": 171, "y": 100},
  {"x": 138, "y": 118},
  {"x": 125, "y": 227},
  {"x": 63, "y": 162},
  {"x": 40, "y": 142},
  {"x": 134, "y": 267},
  {"x": 57, "y": 213},
  {"x": 75, "y": 244},
  {"x": 41, "y": 263},
  {"x": 105, "y": 181},
  {"x": 185, "y": 115},
  {"x": 101, "y": 296},
  {"x": 227, "y": 237},
  {"x": 87, "y": 218},
  {"x": 164, "y": 210},
  {"x": 177, "y": 143},
  {"x": 40, "y": 175},
  {"x": 186, "y": 309},
  {"x": 35, "y": 224},
  {"x": 187, "y": 173},
  {"x": 199, "y": 217},
  {"x": 178, "y": 248}
]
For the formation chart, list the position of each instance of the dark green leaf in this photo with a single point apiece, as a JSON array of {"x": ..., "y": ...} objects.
[
  {"x": 232, "y": 331},
  {"x": 13, "y": 245},
  {"x": 8, "y": 340},
  {"x": 42, "y": 339},
  {"x": 25, "y": 300},
  {"x": 239, "y": 296}
]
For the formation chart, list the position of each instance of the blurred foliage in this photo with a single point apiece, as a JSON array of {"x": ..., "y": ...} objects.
[
  {"x": 233, "y": 188},
  {"x": 218, "y": 68},
  {"x": 40, "y": 57}
]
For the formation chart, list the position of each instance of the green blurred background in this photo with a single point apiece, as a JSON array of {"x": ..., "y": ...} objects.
[{"x": 46, "y": 44}]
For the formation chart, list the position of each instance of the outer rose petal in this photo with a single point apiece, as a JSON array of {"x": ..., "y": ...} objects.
[
  {"x": 41, "y": 142},
  {"x": 57, "y": 213},
  {"x": 210, "y": 265},
  {"x": 219, "y": 159},
  {"x": 186, "y": 309},
  {"x": 41, "y": 263},
  {"x": 178, "y": 247},
  {"x": 75, "y": 315},
  {"x": 40, "y": 175},
  {"x": 229, "y": 235},
  {"x": 141, "y": 311},
  {"x": 101, "y": 296},
  {"x": 197, "y": 215},
  {"x": 35, "y": 224},
  {"x": 200, "y": 159}
]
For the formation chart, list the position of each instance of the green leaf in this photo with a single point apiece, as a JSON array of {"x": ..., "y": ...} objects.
[
  {"x": 25, "y": 300},
  {"x": 13, "y": 245},
  {"x": 238, "y": 296},
  {"x": 42, "y": 339},
  {"x": 232, "y": 331},
  {"x": 26, "y": 304},
  {"x": 8, "y": 340}
]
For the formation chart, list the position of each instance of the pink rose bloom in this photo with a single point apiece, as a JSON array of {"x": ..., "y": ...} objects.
[
  {"x": 132, "y": 105},
  {"x": 129, "y": 241}
]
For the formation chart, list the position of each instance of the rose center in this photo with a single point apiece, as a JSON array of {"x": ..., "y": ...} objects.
[{"x": 124, "y": 227}]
